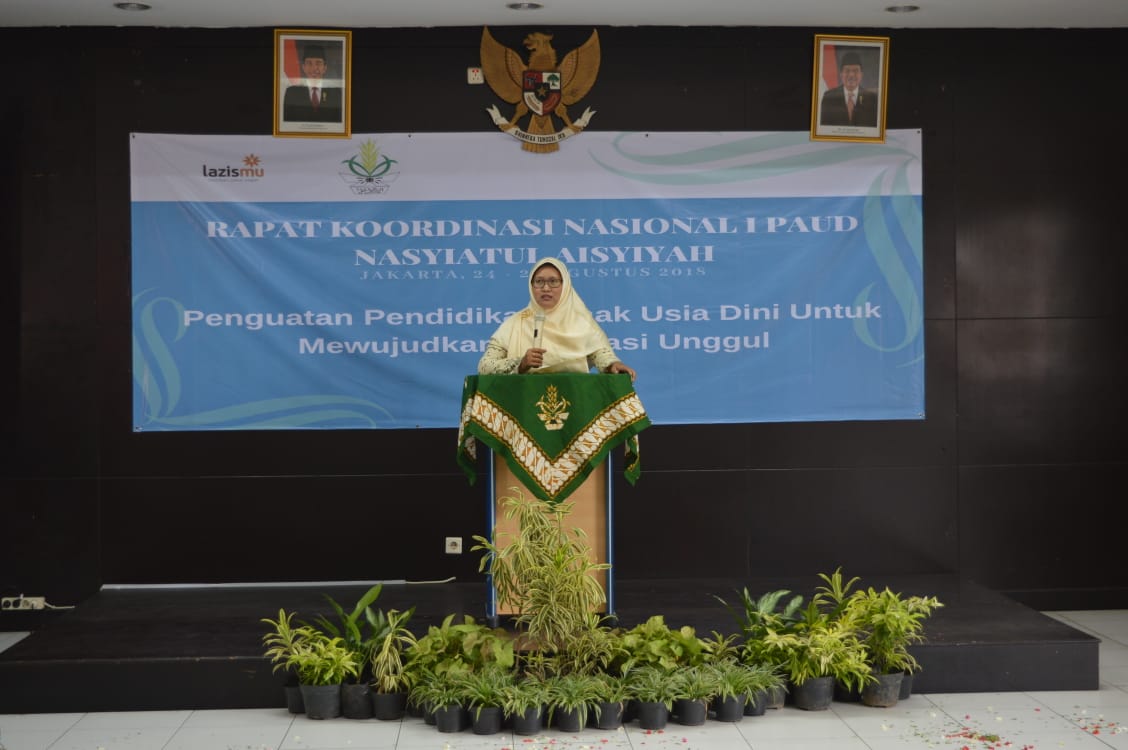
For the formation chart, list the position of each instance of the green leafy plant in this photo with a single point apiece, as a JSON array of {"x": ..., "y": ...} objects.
[
  {"x": 573, "y": 692},
  {"x": 889, "y": 624},
  {"x": 610, "y": 690},
  {"x": 820, "y": 647},
  {"x": 613, "y": 688},
  {"x": 543, "y": 573},
  {"x": 435, "y": 691},
  {"x": 283, "y": 639},
  {"x": 653, "y": 684},
  {"x": 757, "y": 616},
  {"x": 735, "y": 679},
  {"x": 458, "y": 647},
  {"x": 356, "y": 628},
  {"x": 391, "y": 641},
  {"x": 697, "y": 683},
  {"x": 485, "y": 688},
  {"x": 720, "y": 647},
  {"x": 655, "y": 643},
  {"x": 591, "y": 649},
  {"x": 524, "y": 694},
  {"x": 320, "y": 659},
  {"x": 833, "y": 597}
]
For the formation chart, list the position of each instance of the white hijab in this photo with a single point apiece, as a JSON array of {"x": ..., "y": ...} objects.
[{"x": 569, "y": 333}]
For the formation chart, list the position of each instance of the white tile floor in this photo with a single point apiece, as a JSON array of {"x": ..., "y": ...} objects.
[{"x": 1084, "y": 720}]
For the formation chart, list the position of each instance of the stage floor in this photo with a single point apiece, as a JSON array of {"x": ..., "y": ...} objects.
[{"x": 105, "y": 654}]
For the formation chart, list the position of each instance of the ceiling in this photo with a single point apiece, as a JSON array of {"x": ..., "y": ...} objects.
[{"x": 355, "y": 14}]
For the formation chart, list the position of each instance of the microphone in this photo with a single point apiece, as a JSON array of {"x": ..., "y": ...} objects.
[{"x": 538, "y": 324}]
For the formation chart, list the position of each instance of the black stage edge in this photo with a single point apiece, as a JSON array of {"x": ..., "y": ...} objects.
[{"x": 200, "y": 648}]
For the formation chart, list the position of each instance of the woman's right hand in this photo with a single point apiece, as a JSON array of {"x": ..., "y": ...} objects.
[{"x": 534, "y": 357}]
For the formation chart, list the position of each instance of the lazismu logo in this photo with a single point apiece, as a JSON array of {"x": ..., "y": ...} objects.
[{"x": 252, "y": 169}]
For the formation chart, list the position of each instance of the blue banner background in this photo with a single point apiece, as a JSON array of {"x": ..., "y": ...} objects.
[{"x": 679, "y": 309}]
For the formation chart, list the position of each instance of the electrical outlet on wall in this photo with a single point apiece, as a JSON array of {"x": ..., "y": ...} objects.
[
  {"x": 453, "y": 545},
  {"x": 474, "y": 75}
]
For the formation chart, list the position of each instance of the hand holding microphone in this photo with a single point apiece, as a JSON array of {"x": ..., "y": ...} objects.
[
  {"x": 534, "y": 357},
  {"x": 538, "y": 326}
]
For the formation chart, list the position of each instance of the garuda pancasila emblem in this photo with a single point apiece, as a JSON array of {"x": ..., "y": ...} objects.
[{"x": 541, "y": 89}]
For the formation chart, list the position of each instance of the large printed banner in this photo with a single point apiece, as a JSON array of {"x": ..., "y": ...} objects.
[{"x": 353, "y": 283}]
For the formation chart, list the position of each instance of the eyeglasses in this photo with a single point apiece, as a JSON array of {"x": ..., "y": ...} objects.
[{"x": 550, "y": 283}]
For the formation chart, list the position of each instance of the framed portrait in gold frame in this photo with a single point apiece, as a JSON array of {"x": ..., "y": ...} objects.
[
  {"x": 849, "y": 91},
  {"x": 312, "y": 83}
]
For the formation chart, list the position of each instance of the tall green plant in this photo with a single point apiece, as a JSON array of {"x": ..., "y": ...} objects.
[
  {"x": 833, "y": 596},
  {"x": 283, "y": 638},
  {"x": 543, "y": 573},
  {"x": 356, "y": 628},
  {"x": 391, "y": 642}
]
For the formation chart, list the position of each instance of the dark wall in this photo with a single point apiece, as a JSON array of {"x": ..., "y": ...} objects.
[{"x": 1014, "y": 480}]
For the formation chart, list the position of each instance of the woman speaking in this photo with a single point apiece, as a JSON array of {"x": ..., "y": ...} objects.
[{"x": 555, "y": 333}]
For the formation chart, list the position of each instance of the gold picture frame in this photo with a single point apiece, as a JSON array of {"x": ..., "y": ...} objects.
[
  {"x": 324, "y": 58},
  {"x": 850, "y": 87}
]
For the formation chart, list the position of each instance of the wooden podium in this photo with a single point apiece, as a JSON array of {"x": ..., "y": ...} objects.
[
  {"x": 592, "y": 510},
  {"x": 551, "y": 436}
]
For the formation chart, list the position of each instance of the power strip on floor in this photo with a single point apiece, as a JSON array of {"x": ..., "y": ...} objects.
[{"x": 22, "y": 603}]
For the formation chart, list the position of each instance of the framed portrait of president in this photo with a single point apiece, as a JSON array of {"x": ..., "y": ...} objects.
[
  {"x": 848, "y": 94},
  {"x": 312, "y": 83}
]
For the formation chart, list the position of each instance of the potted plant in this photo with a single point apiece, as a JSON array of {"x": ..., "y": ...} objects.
[
  {"x": 280, "y": 642},
  {"x": 391, "y": 681},
  {"x": 763, "y": 683},
  {"x": 720, "y": 647},
  {"x": 592, "y": 649},
  {"x": 442, "y": 694},
  {"x": 570, "y": 697},
  {"x": 889, "y": 624},
  {"x": 743, "y": 689},
  {"x": 524, "y": 704},
  {"x": 820, "y": 653},
  {"x": 832, "y": 598},
  {"x": 484, "y": 693},
  {"x": 451, "y": 649},
  {"x": 421, "y": 679},
  {"x": 610, "y": 704},
  {"x": 695, "y": 688},
  {"x": 768, "y": 611},
  {"x": 544, "y": 573},
  {"x": 322, "y": 663},
  {"x": 356, "y": 629},
  {"x": 654, "y": 690},
  {"x": 653, "y": 643},
  {"x": 775, "y": 611},
  {"x": 459, "y": 647}
]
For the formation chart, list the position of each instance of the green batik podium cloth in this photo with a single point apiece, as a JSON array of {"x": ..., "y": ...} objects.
[{"x": 552, "y": 429}]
